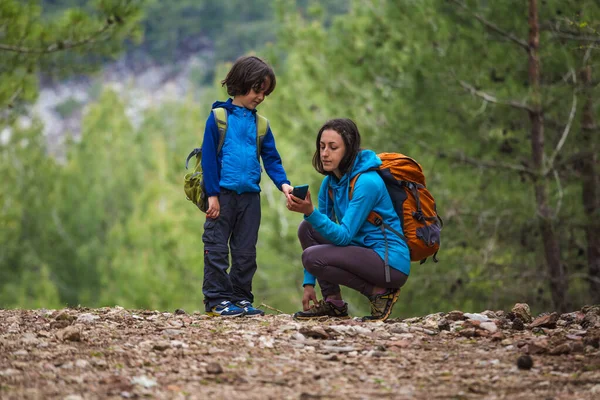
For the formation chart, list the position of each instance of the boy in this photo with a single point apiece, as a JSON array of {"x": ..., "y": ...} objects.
[{"x": 231, "y": 179}]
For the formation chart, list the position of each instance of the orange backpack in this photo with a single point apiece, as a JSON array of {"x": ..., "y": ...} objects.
[{"x": 413, "y": 203}]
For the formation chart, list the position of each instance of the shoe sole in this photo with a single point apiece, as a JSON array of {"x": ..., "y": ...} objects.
[
  {"x": 213, "y": 314},
  {"x": 389, "y": 312}
]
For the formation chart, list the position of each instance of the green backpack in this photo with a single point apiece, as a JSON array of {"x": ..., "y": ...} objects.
[{"x": 193, "y": 184}]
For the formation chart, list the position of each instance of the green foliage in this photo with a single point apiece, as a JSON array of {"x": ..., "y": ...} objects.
[
  {"x": 111, "y": 225},
  {"x": 74, "y": 40}
]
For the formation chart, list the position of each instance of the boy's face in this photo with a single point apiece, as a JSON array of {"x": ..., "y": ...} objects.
[{"x": 253, "y": 98}]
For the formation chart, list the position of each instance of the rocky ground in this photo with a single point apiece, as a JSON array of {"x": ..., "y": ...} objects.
[{"x": 114, "y": 353}]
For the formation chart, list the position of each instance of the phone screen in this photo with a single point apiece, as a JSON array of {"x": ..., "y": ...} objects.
[{"x": 300, "y": 191}]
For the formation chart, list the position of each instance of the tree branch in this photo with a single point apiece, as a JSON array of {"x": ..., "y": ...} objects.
[
  {"x": 494, "y": 27},
  {"x": 563, "y": 138},
  {"x": 59, "y": 46},
  {"x": 493, "y": 99},
  {"x": 14, "y": 97},
  {"x": 573, "y": 36}
]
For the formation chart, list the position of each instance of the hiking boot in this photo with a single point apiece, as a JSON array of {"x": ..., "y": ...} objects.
[
  {"x": 249, "y": 309},
  {"x": 381, "y": 305},
  {"x": 226, "y": 309},
  {"x": 323, "y": 309}
]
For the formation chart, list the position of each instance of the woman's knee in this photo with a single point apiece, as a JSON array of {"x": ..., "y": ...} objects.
[{"x": 310, "y": 260}]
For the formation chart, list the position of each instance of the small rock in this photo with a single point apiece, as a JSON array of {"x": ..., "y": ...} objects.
[
  {"x": 73, "y": 397},
  {"x": 591, "y": 320},
  {"x": 13, "y": 328},
  {"x": 9, "y": 372},
  {"x": 64, "y": 316},
  {"x": 469, "y": 332},
  {"x": 70, "y": 333},
  {"x": 522, "y": 311},
  {"x": 266, "y": 342},
  {"x": 214, "y": 368},
  {"x": 443, "y": 325},
  {"x": 143, "y": 381},
  {"x": 545, "y": 321},
  {"x": 538, "y": 347},
  {"x": 298, "y": 336},
  {"x": 87, "y": 318},
  {"x": 564, "y": 348},
  {"x": 455, "y": 316},
  {"x": 285, "y": 328},
  {"x": 161, "y": 346},
  {"x": 316, "y": 332},
  {"x": 179, "y": 344},
  {"x": 525, "y": 362},
  {"x": 179, "y": 311},
  {"x": 172, "y": 332},
  {"x": 489, "y": 326},
  {"x": 477, "y": 317},
  {"x": 518, "y": 324}
]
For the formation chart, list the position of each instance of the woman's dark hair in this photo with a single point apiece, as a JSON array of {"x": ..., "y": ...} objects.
[
  {"x": 351, "y": 137},
  {"x": 249, "y": 72}
]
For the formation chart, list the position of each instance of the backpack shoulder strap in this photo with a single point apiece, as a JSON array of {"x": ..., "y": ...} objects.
[
  {"x": 353, "y": 181},
  {"x": 221, "y": 119},
  {"x": 262, "y": 126},
  {"x": 351, "y": 186}
]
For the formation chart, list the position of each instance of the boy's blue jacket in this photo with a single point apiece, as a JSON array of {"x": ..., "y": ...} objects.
[
  {"x": 353, "y": 229},
  {"x": 237, "y": 167}
]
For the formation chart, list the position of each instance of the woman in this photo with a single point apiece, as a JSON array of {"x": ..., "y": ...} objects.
[{"x": 352, "y": 251}]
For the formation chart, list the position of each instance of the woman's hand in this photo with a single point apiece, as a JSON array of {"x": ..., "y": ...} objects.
[
  {"x": 302, "y": 206},
  {"x": 214, "y": 207},
  {"x": 309, "y": 295}
]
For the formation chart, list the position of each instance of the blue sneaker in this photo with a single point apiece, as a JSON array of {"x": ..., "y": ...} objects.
[
  {"x": 226, "y": 309},
  {"x": 249, "y": 309}
]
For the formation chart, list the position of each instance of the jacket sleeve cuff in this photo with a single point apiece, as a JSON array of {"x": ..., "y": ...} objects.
[
  {"x": 309, "y": 279},
  {"x": 282, "y": 183},
  {"x": 314, "y": 218}
]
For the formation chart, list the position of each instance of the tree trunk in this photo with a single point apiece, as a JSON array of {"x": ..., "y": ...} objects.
[
  {"x": 590, "y": 189},
  {"x": 556, "y": 271}
]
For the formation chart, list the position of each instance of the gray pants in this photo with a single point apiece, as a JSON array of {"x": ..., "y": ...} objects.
[
  {"x": 356, "y": 267},
  {"x": 236, "y": 228}
]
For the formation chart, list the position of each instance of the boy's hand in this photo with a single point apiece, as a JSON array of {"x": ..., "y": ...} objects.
[
  {"x": 214, "y": 208},
  {"x": 309, "y": 295},
  {"x": 287, "y": 190}
]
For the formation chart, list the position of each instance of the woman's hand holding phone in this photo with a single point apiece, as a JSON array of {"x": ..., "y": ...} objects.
[{"x": 301, "y": 205}]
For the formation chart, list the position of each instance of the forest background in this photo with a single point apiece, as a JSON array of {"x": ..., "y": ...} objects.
[{"x": 498, "y": 101}]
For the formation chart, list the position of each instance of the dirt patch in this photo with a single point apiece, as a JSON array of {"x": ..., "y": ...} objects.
[{"x": 116, "y": 353}]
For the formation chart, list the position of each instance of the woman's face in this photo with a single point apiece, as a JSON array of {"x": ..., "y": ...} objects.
[{"x": 331, "y": 151}]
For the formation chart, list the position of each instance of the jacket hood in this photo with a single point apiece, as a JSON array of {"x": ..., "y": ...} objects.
[
  {"x": 365, "y": 160},
  {"x": 228, "y": 105}
]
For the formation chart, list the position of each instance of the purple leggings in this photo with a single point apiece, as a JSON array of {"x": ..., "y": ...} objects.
[{"x": 356, "y": 267}]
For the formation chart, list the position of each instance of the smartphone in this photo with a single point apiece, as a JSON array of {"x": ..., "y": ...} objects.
[{"x": 300, "y": 191}]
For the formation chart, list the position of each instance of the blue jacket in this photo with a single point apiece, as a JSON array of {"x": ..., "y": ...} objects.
[
  {"x": 353, "y": 229},
  {"x": 237, "y": 167}
]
